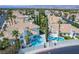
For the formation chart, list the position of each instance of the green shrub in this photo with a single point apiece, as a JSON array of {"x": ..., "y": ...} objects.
[
  {"x": 77, "y": 37},
  {"x": 1, "y": 34},
  {"x": 67, "y": 37},
  {"x": 27, "y": 38},
  {"x": 76, "y": 25},
  {"x": 4, "y": 44}
]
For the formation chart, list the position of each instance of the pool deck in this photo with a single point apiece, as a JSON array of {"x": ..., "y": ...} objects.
[{"x": 33, "y": 50}]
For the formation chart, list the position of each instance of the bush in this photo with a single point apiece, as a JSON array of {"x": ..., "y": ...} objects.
[
  {"x": 67, "y": 38},
  {"x": 4, "y": 44},
  {"x": 1, "y": 34},
  {"x": 27, "y": 38},
  {"x": 77, "y": 37},
  {"x": 76, "y": 25}
]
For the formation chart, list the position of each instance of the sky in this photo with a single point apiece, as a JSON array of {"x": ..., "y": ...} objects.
[{"x": 41, "y": 6}]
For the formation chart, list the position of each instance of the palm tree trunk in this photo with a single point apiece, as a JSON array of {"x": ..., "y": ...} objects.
[
  {"x": 17, "y": 44},
  {"x": 11, "y": 21},
  {"x": 59, "y": 30},
  {"x": 46, "y": 33},
  {"x": 46, "y": 29}
]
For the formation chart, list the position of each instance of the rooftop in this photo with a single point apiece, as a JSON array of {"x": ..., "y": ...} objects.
[{"x": 65, "y": 28}]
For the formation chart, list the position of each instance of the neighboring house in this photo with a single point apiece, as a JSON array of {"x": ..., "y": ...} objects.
[
  {"x": 47, "y": 12},
  {"x": 77, "y": 18},
  {"x": 65, "y": 30},
  {"x": 36, "y": 12},
  {"x": 21, "y": 16},
  {"x": 69, "y": 30},
  {"x": 53, "y": 19},
  {"x": 53, "y": 27}
]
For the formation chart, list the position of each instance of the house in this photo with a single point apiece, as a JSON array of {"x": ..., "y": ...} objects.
[
  {"x": 24, "y": 22},
  {"x": 54, "y": 29},
  {"x": 69, "y": 30},
  {"x": 53, "y": 19},
  {"x": 20, "y": 24},
  {"x": 36, "y": 12},
  {"x": 77, "y": 17},
  {"x": 47, "y": 12},
  {"x": 21, "y": 16},
  {"x": 53, "y": 25},
  {"x": 65, "y": 30},
  {"x": 33, "y": 28}
]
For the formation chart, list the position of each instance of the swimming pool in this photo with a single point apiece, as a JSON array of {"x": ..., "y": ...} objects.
[
  {"x": 55, "y": 38},
  {"x": 36, "y": 40}
]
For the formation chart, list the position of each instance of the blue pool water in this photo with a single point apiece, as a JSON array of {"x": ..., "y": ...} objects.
[
  {"x": 55, "y": 38},
  {"x": 36, "y": 40}
]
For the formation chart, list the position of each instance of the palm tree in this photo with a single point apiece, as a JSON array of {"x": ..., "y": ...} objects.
[
  {"x": 73, "y": 17},
  {"x": 36, "y": 14},
  {"x": 36, "y": 19},
  {"x": 15, "y": 33},
  {"x": 46, "y": 32},
  {"x": 18, "y": 43},
  {"x": 14, "y": 18},
  {"x": 59, "y": 22},
  {"x": 46, "y": 29},
  {"x": 10, "y": 16},
  {"x": 0, "y": 12}
]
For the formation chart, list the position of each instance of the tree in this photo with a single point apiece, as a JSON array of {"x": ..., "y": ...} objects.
[
  {"x": 4, "y": 44},
  {"x": 42, "y": 20},
  {"x": 36, "y": 19},
  {"x": 1, "y": 33},
  {"x": 73, "y": 17},
  {"x": 59, "y": 22},
  {"x": 1, "y": 12},
  {"x": 10, "y": 16},
  {"x": 16, "y": 34},
  {"x": 46, "y": 29},
  {"x": 27, "y": 38},
  {"x": 67, "y": 37}
]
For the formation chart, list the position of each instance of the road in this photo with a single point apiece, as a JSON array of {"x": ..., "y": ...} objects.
[{"x": 64, "y": 50}]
